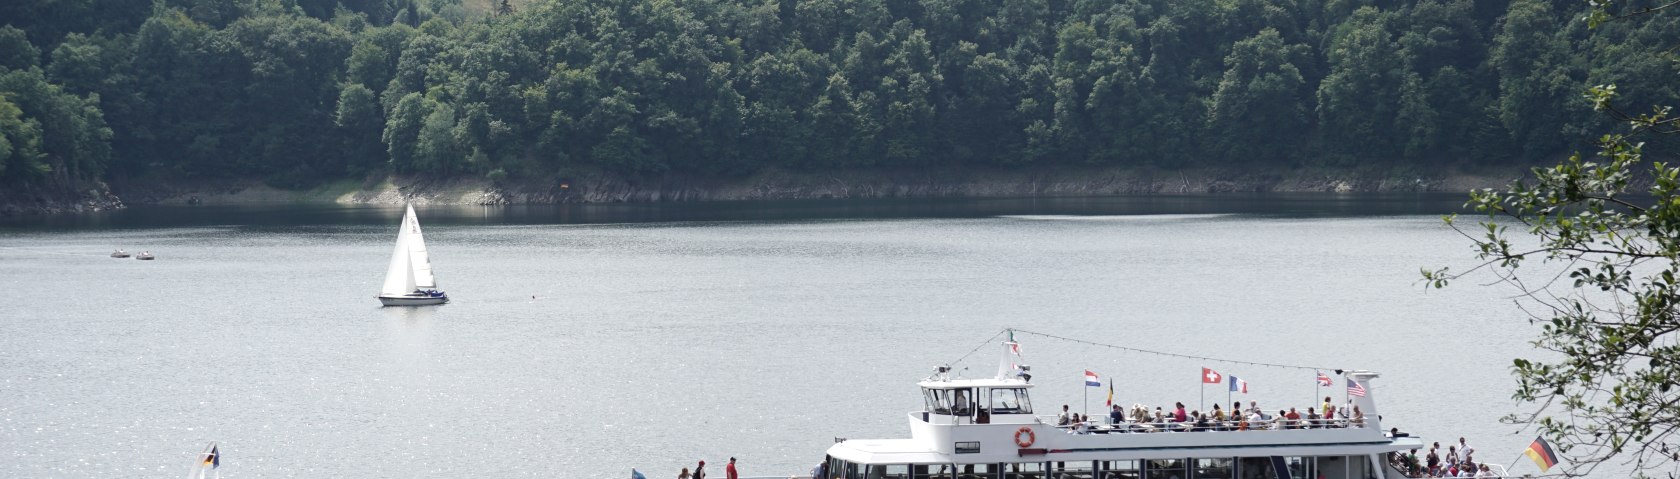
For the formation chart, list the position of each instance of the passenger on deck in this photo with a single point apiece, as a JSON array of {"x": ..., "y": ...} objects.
[
  {"x": 1462, "y": 446},
  {"x": 1358, "y": 417},
  {"x": 1116, "y": 416},
  {"x": 685, "y": 474},
  {"x": 1063, "y": 419},
  {"x": 1254, "y": 407},
  {"x": 1313, "y": 419},
  {"x": 1281, "y": 421},
  {"x": 1159, "y": 416},
  {"x": 1294, "y": 419},
  {"x": 1433, "y": 460},
  {"x": 1452, "y": 454},
  {"x": 1179, "y": 415},
  {"x": 1218, "y": 418},
  {"x": 1256, "y": 420}
]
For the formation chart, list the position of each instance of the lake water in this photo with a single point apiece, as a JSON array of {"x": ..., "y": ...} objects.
[{"x": 584, "y": 340}]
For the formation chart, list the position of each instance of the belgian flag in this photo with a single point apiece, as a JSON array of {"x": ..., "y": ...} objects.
[{"x": 1542, "y": 454}]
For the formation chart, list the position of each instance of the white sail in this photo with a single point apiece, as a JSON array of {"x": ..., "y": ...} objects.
[
  {"x": 399, "y": 276},
  {"x": 417, "y": 257}
]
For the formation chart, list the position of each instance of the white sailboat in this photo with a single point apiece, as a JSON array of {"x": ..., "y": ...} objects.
[
  {"x": 208, "y": 465},
  {"x": 409, "y": 280}
]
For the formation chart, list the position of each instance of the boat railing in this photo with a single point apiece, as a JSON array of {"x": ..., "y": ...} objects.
[
  {"x": 1103, "y": 427},
  {"x": 1498, "y": 470}
]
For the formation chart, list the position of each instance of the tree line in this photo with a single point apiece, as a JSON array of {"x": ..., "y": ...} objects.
[{"x": 302, "y": 91}]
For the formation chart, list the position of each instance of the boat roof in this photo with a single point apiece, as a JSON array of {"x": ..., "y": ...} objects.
[
  {"x": 890, "y": 451},
  {"x": 948, "y": 383}
]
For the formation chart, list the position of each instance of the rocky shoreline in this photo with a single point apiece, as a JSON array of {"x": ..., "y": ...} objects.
[
  {"x": 769, "y": 185},
  {"x": 23, "y": 201}
]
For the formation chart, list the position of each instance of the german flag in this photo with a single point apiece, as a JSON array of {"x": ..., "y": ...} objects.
[{"x": 1542, "y": 454}]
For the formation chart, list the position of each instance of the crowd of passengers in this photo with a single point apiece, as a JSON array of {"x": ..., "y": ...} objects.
[
  {"x": 1234, "y": 419},
  {"x": 1457, "y": 462}
]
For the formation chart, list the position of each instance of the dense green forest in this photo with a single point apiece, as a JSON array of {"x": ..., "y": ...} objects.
[{"x": 301, "y": 91}]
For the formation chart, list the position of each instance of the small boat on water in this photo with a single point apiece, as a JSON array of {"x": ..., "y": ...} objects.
[
  {"x": 987, "y": 428},
  {"x": 208, "y": 465},
  {"x": 408, "y": 279},
  {"x": 145, "y": 256},
  {"x": 119, "y": 254}
]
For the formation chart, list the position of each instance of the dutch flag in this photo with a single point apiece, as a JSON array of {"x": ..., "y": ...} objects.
[{"x": 1092, "y": 380}]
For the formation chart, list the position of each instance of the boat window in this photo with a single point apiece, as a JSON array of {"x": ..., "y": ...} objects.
[
  {"x": 963, "y": 403},
  {"x": 1071, "y": 470},
  {"x": 1028, "y": 470},
  {"x": 1257, "y": 468},
  {"x": 1301, "y": 467},
  {"x": 977, "y": 471},
  {"x": 1119, "y": 469},
  {"x": 1010, "y": 401},
  {"x": 1213, "y": 468},
  {"x": 1343, "y": 467},
  {"x": 888, "y": 471},
  {"x": 933, "y": 471},
  {"x": 939, "y": 401},
  {"x": 934, "y": 403},
  {"x": 1166, "y": 469},
  {"x": 967, "y": 447}
]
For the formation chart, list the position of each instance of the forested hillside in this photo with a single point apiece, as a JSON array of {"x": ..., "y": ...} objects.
[{"x": 301, "y": 91}]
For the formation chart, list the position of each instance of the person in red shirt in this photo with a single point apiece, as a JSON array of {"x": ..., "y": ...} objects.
[{"x": 729, "y": 471}]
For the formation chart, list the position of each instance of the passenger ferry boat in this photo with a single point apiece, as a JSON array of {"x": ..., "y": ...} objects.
[{"x": 986, "y": 428}]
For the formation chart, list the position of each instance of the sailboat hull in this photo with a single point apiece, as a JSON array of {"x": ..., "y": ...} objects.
[{"x": 412, "y": 300}]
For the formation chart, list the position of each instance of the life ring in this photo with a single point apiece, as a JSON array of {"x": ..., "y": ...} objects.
[{"x": 1025, "y": 437}]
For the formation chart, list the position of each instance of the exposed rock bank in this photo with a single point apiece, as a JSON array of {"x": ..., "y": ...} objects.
[
  {"x": 18, "y": 201},
  {"x": 605, "y": 188},
  {"x": 873, "y": 184}
]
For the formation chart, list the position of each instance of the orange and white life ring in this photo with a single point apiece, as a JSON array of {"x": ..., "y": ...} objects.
[{"x": 1025, "y": 437}]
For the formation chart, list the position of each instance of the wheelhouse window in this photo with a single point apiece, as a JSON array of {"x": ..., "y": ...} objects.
[
  {"x": 1010, "y": 401},
  {"x": 939, "y": 400}
]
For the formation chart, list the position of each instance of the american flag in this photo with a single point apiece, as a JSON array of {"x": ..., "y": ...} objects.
[
  {"x": 1324, "y": 379},
  {"x": 1355, "y": 389}
]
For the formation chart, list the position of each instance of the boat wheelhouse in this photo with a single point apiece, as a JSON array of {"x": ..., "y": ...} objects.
[{"x": 987, "y": 428}]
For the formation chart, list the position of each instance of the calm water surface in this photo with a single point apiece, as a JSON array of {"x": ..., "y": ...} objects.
[{"x": 586, "y": 340}]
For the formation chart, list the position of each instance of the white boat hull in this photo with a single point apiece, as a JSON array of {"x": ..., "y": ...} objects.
[{"x": 412, "y": 300}]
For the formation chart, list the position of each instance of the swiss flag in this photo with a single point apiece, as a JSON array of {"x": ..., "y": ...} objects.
[{"x": 1210, "y": 376}]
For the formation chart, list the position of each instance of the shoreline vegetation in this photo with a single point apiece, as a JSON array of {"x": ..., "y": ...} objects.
[
  {"x": 768, "y": 185},
  {"x": 110, "y": 102}
]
